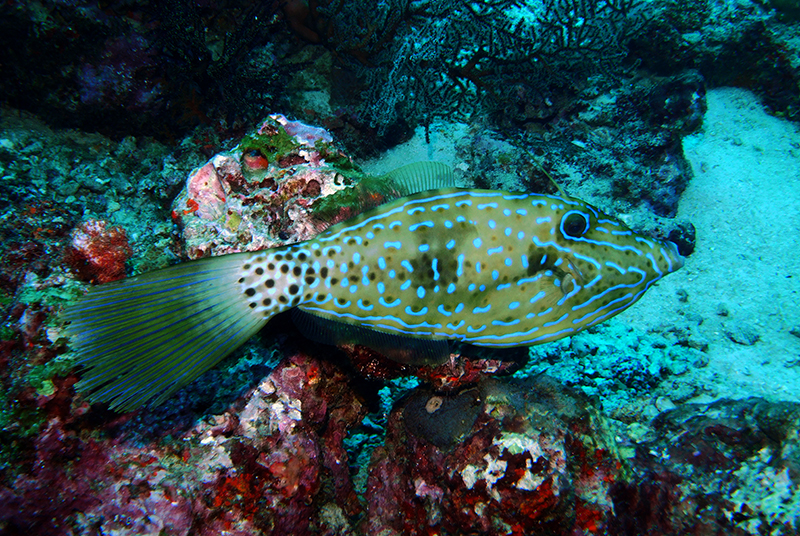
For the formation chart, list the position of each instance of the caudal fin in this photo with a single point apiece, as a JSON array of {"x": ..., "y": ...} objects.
[{"x": 143, "y": 338}]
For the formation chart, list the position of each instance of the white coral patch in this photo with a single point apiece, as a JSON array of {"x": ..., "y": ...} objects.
[{"x": 494, "y": 470}]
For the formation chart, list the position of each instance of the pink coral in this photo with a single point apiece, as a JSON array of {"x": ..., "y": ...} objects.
[
  {"x": 302, "y": 133},
  {"x": 98, "y": 252}
]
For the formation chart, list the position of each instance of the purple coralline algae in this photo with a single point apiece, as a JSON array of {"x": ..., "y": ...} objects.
[
  {"x": 259, "y": 194},
  {"x": 274, "y": 463},
  {"x": 98, "y": 252}
]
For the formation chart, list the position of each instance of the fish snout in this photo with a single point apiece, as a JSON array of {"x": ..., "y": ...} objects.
[{"x": 674, "y": 259}]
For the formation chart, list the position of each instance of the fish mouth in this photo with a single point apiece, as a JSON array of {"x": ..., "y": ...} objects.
[{"x": 674, "y": 259}]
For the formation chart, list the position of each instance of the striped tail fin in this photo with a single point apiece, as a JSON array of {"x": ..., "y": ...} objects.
[{"x": 143, "y": 338}]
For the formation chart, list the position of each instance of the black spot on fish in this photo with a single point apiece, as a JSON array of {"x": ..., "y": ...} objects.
[
  {"x": 241, "y": 280},
  {"x": 534, "y": 264},
  {"x": 289, "y": 257},
  {"x": 267, "y": 302},
  {"x": 260, "y": 271},
  {"x": 279, "y": 257},
  {"x": 293, "y": 289},
  {"x": 324, "y": 272},
  {"x": 250, "y": 292},
  {"x": 310, "y": 271},
  {"x": 331, "y": 253},
  {"x": 371, "y": 276},
  {"x": 350, "y": 264},
  {"x": 284, "y": 268},
  {"x": 283, "y": 299},
  {"x": 252, "y": 305},
  {"x": 310, "y": 280},
  {"x": 317, "y": 253},
  {"x": 247, "y": 266},
  {"x": 334, "y": 281},
  {"x": 302, "y": 256},
  {"x": 341, "y": 301},
  {"x": 271, "y": 267},
  {"x": 297, "y": 271},
  {"x": 269, "y": 283},
  {"x": 295, "y": 301},
  {"x": 366, "y": 303}
]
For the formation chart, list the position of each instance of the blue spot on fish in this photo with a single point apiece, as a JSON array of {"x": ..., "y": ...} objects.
[
  {"x": 416, "y": 226},
  {"x": 410, "y": 311},
  {"x": 383, "y": 302}
]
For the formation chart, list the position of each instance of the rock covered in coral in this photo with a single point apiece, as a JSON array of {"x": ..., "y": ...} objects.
[
  {"x": 500, "y": 458},
  {"x": 532, "y": 458},
  {"x": 259, "y": 194},
  {"x": 728, "y": 467},
  {"x": 274, "y": 463}
]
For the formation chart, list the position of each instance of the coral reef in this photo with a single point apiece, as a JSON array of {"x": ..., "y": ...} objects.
[
  {"x": 131, "y": 68},
  {"x": 533, "y": 459},
  {"x": 613, "y": 432},
  {"x": 273, "y": 463},
  {"x": 450, "y": 58}
]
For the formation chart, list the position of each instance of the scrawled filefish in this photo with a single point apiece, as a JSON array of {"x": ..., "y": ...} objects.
[{"x": 484, "y": 267}]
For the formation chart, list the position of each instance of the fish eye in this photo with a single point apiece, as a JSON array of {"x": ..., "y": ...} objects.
[{"x": 574, "y": 224}]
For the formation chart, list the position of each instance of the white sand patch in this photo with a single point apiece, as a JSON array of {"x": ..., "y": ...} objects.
[{"x": 745, "y": 203}]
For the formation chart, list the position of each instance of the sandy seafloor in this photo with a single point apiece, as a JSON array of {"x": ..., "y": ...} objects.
[{"x": 744, "y": 201}]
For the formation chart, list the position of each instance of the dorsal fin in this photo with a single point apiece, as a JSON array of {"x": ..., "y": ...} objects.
[
  {"x": 419, "y": 177},
  {"x": 372, "y": 191}
]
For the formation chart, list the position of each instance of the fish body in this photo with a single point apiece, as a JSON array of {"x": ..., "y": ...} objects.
[{"x": 484, "y": 267}]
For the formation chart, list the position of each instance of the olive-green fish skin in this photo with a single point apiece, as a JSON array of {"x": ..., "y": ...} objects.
[{"x": 484, "y": 267}]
